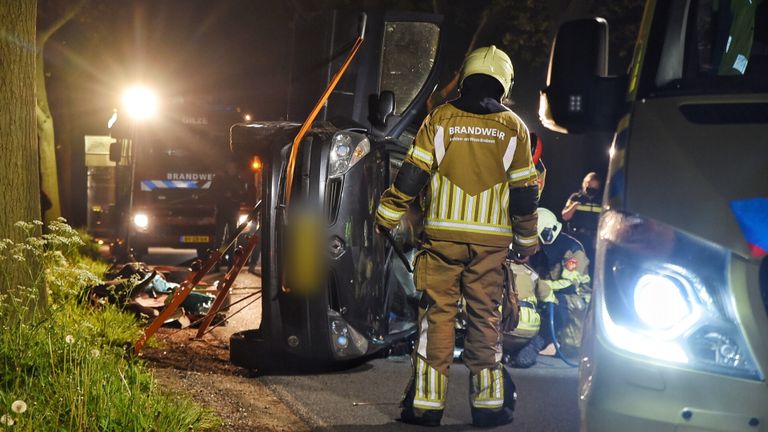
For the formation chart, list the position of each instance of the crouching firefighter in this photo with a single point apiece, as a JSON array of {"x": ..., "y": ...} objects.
[
  {"x": 474, "y": 156},
  {"x": 522, "y": 342},
  {"x": 562, "y": 266}
]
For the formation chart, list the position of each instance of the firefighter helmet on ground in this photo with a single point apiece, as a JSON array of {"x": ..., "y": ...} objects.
[
  {"x": 490, "y": 61},
  {"x": 549, "y": 227}
]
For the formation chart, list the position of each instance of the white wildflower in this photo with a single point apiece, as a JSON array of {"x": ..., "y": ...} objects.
[
  {"x": 19, "y": 407},
  {"x": 19, "y": 258},
  {"x": 23, "y": 225},
  {"x": 7, "y": 420},
  {"x": 95, "y": 353},
  {"x": 69, "y": 339}
]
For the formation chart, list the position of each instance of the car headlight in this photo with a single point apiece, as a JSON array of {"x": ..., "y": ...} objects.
[
  {"x": 141, "y": 221},
  {"x": 661, "y": 300},
  {"x": 347, "y": 148},
  {"x": 665, "y": 295},
  {"x": 346, "y": 341}
]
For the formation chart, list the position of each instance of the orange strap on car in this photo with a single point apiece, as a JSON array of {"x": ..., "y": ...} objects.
[
  {"x": 318, "y": 106},
  {"x": 193, "y": 278},
  {"x": 241, "y": 257}
]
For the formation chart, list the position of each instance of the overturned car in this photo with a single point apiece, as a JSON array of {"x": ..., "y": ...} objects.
[{"x": 333, "y": 290}]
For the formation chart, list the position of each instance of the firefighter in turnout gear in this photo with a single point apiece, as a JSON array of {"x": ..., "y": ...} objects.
[
  {"x": 562, "y": 266},
  {"x": 532, "y": 293},
  {"x": 522, "y": 343},
  {"x": 474, "y": 157}
]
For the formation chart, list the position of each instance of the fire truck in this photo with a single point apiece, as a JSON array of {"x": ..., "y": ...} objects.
[{"x": 167, "y": 157}]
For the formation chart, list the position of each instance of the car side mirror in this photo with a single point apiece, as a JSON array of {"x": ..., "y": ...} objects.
[
  {"x": 579, "y": 96},
  {"x": 383, "y": 106},
  {"x": 115, "y": 151}
]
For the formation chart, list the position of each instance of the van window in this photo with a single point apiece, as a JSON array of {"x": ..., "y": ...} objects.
[
  {"x": 407, "y": 59},
  {"x": 726, "y": 38},
  {"x": 712, "y": 46}
]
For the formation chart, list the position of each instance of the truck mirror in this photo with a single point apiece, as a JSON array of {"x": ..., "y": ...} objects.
[
  {"x": 579, "y": 96},
  {"x": 383, "y": 106},
  {"x": 115, "y": 151}
]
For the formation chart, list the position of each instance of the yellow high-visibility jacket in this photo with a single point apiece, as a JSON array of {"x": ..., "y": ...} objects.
[{"x": 472, "y": 161}]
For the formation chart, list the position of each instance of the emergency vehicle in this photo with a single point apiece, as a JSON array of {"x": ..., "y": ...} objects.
[
  {"x": 676, "y": 331},
  {"x": 167, "y": 156}
]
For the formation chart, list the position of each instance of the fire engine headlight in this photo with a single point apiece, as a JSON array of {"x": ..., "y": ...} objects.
[
  {"x": 140, "y": 102},
  {"x": 141, "y": 221},
  {"x": 665, "y": 295},
  {"x": 347, "y": 148}
]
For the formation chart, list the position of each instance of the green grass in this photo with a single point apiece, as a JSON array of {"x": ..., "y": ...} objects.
[{"x": 68, "y": 363}]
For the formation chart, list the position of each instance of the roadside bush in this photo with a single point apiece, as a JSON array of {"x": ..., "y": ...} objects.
[{"x": 65, "y": 367}]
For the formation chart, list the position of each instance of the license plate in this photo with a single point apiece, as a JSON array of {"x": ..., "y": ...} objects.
[{"x": 194, "y": 239}]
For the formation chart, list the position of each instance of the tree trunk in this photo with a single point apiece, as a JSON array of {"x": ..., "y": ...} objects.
[
  {"x": 49, "y": 178},
  {"x": 19, "y": 174}
]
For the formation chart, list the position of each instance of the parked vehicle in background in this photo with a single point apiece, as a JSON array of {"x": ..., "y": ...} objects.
[
  {"x": 167, "y": 162},
  {"x": 676, "y": 331}
]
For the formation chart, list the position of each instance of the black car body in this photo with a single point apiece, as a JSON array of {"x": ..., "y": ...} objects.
[{"x": 361, "y": 300}]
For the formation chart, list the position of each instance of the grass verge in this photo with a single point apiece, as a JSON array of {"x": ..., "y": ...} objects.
[{"x": 64, "y": 367}]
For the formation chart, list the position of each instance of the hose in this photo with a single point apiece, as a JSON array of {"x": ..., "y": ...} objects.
[{"x": 553, "y": 334}]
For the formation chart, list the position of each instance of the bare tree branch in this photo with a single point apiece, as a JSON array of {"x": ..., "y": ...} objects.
[{"x": 44, "y": 35}]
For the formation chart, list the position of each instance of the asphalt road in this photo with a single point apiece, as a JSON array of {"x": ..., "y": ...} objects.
[{"x": 366, "y": 398}]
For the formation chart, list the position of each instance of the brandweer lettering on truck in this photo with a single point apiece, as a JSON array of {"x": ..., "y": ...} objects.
[{"x": 189, "y": 176}]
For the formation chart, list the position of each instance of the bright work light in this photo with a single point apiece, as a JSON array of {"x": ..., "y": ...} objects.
[{"x": 140, "y": 102}]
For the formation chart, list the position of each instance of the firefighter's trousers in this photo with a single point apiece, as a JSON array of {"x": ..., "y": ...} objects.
[{"x": 444, "y": 271}]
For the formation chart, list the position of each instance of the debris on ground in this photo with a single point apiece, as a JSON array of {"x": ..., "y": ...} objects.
[{"x": 144, "y": 291}]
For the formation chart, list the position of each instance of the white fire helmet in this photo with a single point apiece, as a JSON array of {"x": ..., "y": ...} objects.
[{"x": 549, "y": 227}]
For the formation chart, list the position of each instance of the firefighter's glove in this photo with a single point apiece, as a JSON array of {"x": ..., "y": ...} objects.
[
  {"x": 571, "y": 275},
  {"x": 517, "y": 257}
]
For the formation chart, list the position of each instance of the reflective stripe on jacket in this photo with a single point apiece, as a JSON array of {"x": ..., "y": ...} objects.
[{"x": 472, "y": 160}]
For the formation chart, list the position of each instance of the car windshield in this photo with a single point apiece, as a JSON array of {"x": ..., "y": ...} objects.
[{"x": 709, "y": 46}]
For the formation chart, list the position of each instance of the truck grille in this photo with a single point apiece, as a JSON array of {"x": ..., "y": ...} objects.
[
  {"x": 333, "y": 294},
  {"x": 332, "y": 199}
]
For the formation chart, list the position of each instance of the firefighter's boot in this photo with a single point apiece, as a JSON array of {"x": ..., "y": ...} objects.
[
  {"x": 492, "y": 397},
  {"x": 424, "y": 399}
]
